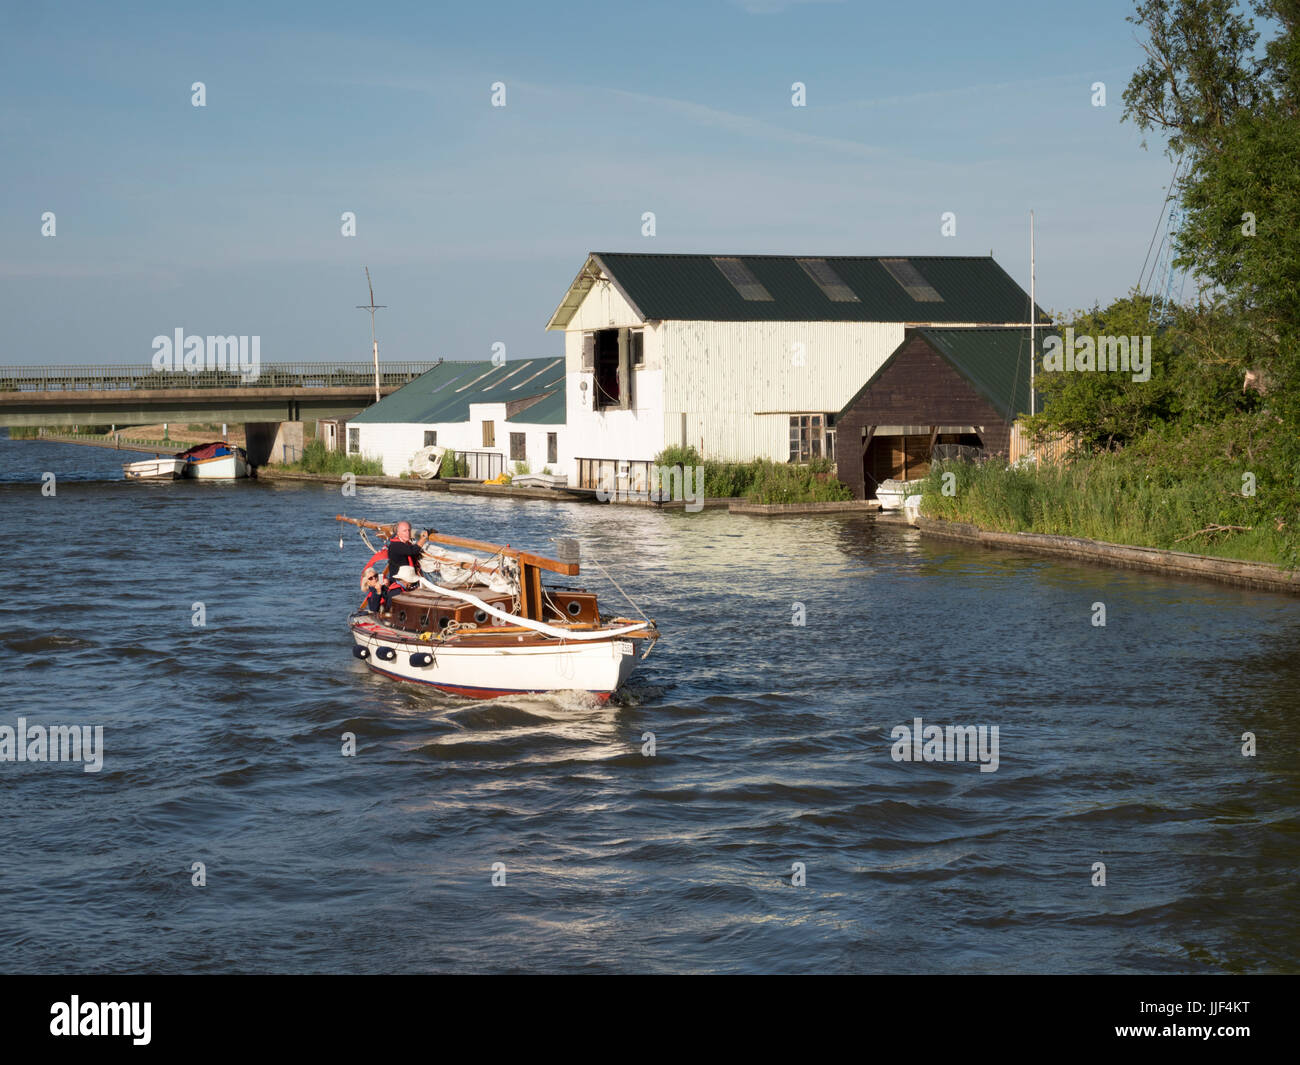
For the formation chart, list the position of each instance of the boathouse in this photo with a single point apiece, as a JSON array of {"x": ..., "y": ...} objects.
[
  {"x": 754, "y": 356},
  {"x": 951, "y": 386},
  {"x": 493, "y": 415}
]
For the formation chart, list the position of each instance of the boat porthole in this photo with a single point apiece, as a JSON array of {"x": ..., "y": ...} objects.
[
  {"x": 574, "y": 607},
  {"x": 480, "y": 616},
  {"x": 401, "y": 618},
  {"x": 443, "y": 622}
]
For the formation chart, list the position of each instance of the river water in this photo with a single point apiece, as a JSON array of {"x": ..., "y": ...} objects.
[{"x": 1119, "y": 745}]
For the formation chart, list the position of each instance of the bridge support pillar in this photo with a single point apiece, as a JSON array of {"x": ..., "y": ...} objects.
[{"x": 273, "y": 443}]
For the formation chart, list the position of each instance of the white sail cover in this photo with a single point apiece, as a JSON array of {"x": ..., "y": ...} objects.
[
  {"x": 528, "y": 623},
  {"x": 458, "y": 568}
]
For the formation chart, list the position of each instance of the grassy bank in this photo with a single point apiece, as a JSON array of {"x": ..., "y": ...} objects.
[
  {"x": 103, "y": 439},
  {"x": 1227, "y": 490},
  {"x": 317, "y": 458},
  {"x": 761, "y": 480}
]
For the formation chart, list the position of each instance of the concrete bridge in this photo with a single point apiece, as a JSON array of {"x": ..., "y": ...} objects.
[{"x": 138, "y": 395}]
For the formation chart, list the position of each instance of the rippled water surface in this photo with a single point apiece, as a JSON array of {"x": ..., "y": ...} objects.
[{"x": 1119, "y": 745}]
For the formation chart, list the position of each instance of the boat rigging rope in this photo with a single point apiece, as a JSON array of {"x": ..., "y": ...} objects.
[
  {"x": 529, "y": 623},
  {"x": 616, "y": 584}
]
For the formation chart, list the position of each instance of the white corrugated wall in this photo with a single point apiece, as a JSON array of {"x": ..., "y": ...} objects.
[
  {"x": 725, "y": 375},
  {"x": 394, "y": 444}
]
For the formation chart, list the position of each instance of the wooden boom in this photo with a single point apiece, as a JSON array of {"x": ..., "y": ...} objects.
[{"x": 526, "y": 558}]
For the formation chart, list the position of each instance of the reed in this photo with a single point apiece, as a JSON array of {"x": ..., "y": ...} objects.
[
  {"x": 1184, "y": 492},
  {"x": 761, "y": 480},
  {"x": 317, "y": 458}
]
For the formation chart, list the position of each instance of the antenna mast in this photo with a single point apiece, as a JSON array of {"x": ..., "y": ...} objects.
[
  {"x": 1033, "y": 313},
  {"x": 372, "y": 306}
]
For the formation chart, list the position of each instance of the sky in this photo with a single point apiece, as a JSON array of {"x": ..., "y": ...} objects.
[{"x": 473, "y": 219}]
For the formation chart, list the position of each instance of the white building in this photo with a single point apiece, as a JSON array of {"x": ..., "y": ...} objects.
[
  {"x": 492, "y": 416},
  {"x": 745, "y": 356}
]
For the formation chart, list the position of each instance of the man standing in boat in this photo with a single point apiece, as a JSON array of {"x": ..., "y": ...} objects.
[{"x": 403, "y": 562}]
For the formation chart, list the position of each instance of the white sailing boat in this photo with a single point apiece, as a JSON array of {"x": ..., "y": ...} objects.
[{"x": 488, "y": 627}]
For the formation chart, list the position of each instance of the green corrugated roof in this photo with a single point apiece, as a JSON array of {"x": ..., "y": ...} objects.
[
  {"x": 995, "y": 361},
  {"x": 692, "y": 287},
  {"x": 443, "y": 394},
  {"x": 547, "y": 411}
]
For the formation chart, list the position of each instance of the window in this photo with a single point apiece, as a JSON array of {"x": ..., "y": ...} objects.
[
  {"x": 431, "y": 438},
  {"x": 354, "y": 441},
  {"x": 489, "y": 434},
  {"x": 826, "y": 279},
  {"x": 636, "y": 347},
  {"x": 552, "y": 447},
  {"x": 518, "y": 447},
  {"x": 909, "y": 277},
  {"x": 810, "y": 437},
  {"x": 742, "y": 279}
]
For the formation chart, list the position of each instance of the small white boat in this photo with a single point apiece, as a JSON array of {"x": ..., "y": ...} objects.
[
  {"x": 217, "y": 461},
  {"x": 891, "y": 493},
  {"x": 167, "y": 468},
  {"x": 426, "y": 462},
  {"x": 539, "y": 480}
]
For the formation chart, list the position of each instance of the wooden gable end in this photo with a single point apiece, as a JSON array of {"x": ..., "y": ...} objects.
[{"x": 917, "y": 387}]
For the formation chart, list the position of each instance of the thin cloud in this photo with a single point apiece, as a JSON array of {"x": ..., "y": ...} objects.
[
  {"x": 715, "y": 118},
  {"x": 773, "y": 7},
  {"x": 1084, "y": 79}
]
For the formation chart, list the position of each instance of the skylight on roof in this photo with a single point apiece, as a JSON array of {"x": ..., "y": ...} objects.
[
  {"x": 909, "y": 277},
  {"x": 742, "y": 279},
  {"x": 485, "y": 373},
  {"x": 533, "y": 377},
  {"x": 826, "y": 279}
]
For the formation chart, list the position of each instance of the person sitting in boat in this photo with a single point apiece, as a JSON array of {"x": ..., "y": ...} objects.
[{"x": 373, "y": 587}]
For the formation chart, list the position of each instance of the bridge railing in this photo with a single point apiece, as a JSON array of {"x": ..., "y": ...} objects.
[{"x": 145, "y": 378}]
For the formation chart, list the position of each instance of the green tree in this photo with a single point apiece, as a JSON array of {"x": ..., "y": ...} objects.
[
  {"x": 1234, "y": 109},
  {"x": 1108, "y": 410}
]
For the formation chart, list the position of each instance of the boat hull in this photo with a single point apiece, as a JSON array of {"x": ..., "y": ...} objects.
[
  {"x": 599, "y": 667},
  {"x": 167, "y": 469},
  {"x": 218, "y": 468}
]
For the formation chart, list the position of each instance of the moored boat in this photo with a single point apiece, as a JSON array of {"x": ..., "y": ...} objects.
[
  {"x": 214, "y": 461},
  {"x": 165, "y": 467},
  {"x": 891, "y": 493},
  {"x": 488, "y": 627}
]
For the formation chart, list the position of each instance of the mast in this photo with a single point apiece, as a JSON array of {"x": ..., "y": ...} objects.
[
  {"x": 372, "y": 306},
  {"x": 1033, "y": 313}
]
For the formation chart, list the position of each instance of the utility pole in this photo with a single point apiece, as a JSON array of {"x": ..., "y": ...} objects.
[{"x": 372, "y": 306}]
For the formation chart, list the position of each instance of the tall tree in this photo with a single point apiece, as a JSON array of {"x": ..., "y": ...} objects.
[{"x": 1212, "y": 92}]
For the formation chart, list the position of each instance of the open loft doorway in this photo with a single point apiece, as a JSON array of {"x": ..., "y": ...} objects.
[
  {"x": 612, "y": 357},
  {"x": 905, "y": 452}
]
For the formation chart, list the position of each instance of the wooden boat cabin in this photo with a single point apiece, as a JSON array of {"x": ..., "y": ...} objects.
[{"x": 424, "y": 611}]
